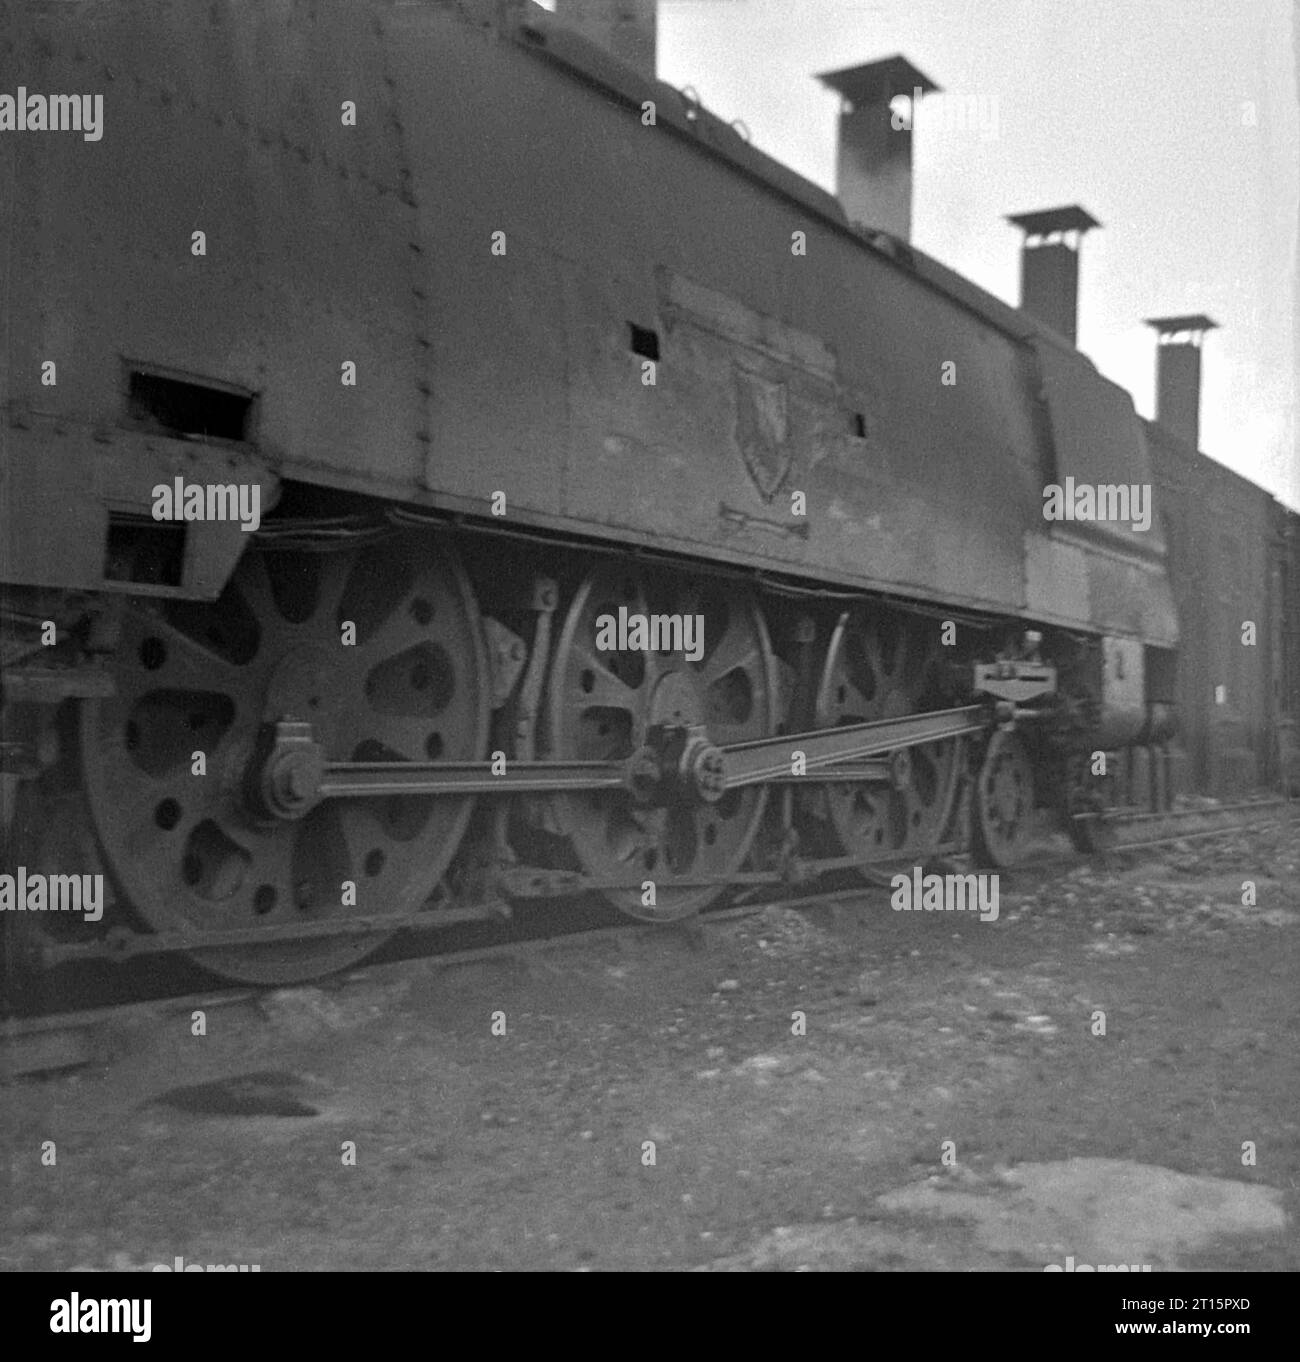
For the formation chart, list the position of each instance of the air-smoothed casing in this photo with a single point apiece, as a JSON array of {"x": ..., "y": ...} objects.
[{"x": 920, "y": 419}]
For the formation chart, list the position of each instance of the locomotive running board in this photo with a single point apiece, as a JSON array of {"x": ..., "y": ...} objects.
[{"x": 296, "y": 776}]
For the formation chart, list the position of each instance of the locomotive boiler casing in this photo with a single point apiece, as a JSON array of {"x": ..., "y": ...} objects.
[{"x": 778, "y": 371}]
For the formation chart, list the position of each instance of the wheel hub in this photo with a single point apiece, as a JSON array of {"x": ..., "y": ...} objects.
[
  {"x": 287, "y": 783},
  {"x": 678, "y": 766},
  {"x": 900, "y": 770}
]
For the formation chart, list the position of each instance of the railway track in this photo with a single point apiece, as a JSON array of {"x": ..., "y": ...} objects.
[
  {"x": 1136, "y": 830},
  {"x": 86, "y": 984}
]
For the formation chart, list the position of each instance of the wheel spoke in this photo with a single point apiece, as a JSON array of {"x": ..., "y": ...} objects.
[
  {"x": 164, "y": 814},
  {"x": 607, "y": 596},
  {"x": 688, "y": 601},
  {"x": 265, "y": 866},
  {"x": 333, "y": 576},
  {"x": 594, "y": 685},
  {"x": 255, "y": 588},
  {"x": 872, "y": 660},
  {"x": 410, "y": 737},
  {"x": 395, "y": 634},
  {"x": 169, "y": 658},
  {"x": 909, "y": 657},
  {"x": 854, "y": 707},
  {"x": 895, "y": 663},
  {"x": 738, "y": 649},
  {"x": 651, "y": 822}
]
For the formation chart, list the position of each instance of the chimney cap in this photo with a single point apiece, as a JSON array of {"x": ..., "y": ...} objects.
[
  {"x": 1196, "y": 322},
  {"x": 878, "y": 82},
  {"x": 1069, "y": 218}
]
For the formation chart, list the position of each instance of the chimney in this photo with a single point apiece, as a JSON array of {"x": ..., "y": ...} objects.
[
  {"x": 873, "y": 172},
  {"x": 624, "y": 27},
  {"x": 1178, "y": 373},
  {"x": 1049, "y": 265}
]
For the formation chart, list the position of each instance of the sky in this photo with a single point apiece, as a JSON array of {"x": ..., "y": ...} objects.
[{"x": 1176, "y": 123}]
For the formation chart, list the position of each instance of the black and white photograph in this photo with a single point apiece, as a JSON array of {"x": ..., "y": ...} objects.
[{"x": 649, "y": 636}]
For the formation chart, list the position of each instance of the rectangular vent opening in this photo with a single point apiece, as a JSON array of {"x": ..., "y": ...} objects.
[
  {"x": 180, "y": 408},
  {"x": 141, "y": 549},
  {"x": 644, "y": 342}
]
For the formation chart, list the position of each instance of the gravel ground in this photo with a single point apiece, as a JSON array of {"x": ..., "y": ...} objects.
[{"x": 652, "y": 1103}]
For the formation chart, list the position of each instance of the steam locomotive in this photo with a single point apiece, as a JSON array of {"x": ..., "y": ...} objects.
[{"x": 379, "y": 370}]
